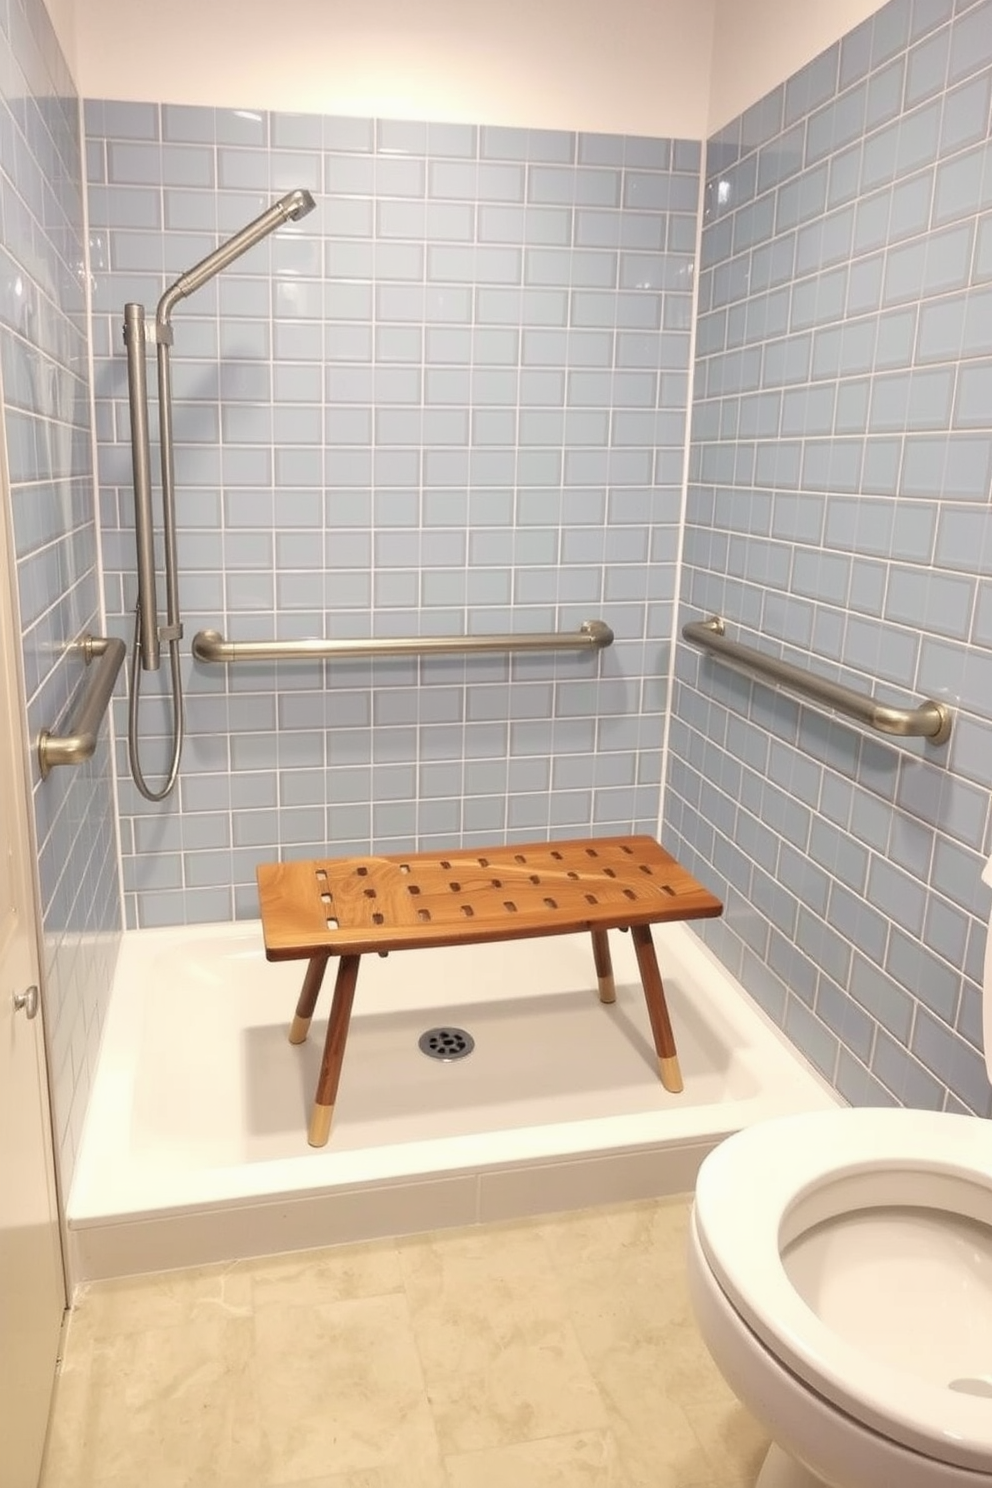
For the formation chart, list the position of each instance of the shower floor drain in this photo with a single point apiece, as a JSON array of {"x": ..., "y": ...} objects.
[{"x": 446, "y": 1043}]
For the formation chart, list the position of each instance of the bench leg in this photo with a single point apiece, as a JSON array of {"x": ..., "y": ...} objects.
[
  {"x": 330, "y": 1068},
  {"x": 654, "y": 996},
  {"x": 604, "y": 966},
  {"x": 300, "y": 1027}
]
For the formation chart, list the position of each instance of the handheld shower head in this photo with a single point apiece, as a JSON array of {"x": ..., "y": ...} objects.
[{"x": 289, "y": 208}]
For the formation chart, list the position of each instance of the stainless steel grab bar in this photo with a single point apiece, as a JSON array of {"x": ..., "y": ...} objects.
[
  {"x": 929, "y": 720},
  {"x": 79, "y": 745},
  {"x": 210, "y": 645}
]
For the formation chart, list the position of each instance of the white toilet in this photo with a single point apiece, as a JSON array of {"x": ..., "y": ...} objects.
[{"x": 840, "y": 1266}]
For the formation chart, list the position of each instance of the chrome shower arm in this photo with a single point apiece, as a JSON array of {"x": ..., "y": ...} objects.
[{"x": 288, "y": 208}]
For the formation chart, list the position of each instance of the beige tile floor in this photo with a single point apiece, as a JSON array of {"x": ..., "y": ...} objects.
[{"x": 550, "y": 1353}]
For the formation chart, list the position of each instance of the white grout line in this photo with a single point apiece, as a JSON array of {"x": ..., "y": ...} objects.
[{"x": 686, "y": 455}]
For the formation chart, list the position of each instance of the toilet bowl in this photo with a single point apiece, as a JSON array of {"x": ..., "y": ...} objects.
[{"x": 840, "y": 1268}]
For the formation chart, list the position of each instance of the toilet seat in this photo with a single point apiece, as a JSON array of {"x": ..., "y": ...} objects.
[{"x": 766, "y": 1186}]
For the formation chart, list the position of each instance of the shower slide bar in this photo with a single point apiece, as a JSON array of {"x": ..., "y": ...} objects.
[
  {"x": 139, "y": 334},
  {"x": 79, "y": 745},
  {"x": 929, "y": 720},
  {"x": 210, "y": 645}
]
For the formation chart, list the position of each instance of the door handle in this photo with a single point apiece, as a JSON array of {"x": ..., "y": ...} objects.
[{"x": 27, "y": 1002}]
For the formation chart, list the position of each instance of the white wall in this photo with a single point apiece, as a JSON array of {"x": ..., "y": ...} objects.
[
  {"x": 618, "y": 66},
  {"x": 62, "y": 14},
  {"x": 759, "y": 43},
  {"x": 665, "y": 67},
  {"x": 662, "y": 67}
]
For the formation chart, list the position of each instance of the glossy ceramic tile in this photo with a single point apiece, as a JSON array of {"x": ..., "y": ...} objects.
[
  {"x": 400, "y": 448},
  {"x": 839, "y": 456},
  {"x": 43, "y": 347}
]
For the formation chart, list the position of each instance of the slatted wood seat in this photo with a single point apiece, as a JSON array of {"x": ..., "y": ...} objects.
[{"x": 351, "y": 907}]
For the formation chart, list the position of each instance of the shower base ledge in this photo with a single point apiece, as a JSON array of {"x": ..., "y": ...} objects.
[{"x": 194, "y": 1147}]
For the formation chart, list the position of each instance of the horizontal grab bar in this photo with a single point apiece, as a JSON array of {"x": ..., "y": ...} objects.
[
  {"x": 80, "y": 744},
  {"x": 928, "y": 721},
  {"x": 210, "y": 645}
]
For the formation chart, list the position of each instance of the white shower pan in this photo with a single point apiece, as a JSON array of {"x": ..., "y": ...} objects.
[{"x": 195, "y": 1150}]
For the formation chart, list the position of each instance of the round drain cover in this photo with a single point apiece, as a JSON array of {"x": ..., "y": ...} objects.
[{"x": 446, "y": 1043}]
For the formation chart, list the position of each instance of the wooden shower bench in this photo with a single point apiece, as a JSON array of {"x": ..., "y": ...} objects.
[{"x": 351, "y": 907}]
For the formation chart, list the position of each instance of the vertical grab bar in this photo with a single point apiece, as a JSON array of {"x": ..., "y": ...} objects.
[{"x": 144, "y": 529}]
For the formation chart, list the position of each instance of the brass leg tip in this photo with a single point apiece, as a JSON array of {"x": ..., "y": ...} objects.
[
  {"x": 607, "y": 989},
  {"x": 320, "y": 1125},
  {"x": 299, "y": 1030},
  {"x": 671, "y": 1075}
]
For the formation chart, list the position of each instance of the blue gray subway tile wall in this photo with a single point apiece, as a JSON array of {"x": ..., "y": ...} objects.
[
  {"x": 837, "y": 513},
  {"x": 453, "y": 399},
  {"x": 49, "y": 487}
]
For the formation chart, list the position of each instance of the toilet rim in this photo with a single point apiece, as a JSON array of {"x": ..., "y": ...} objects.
[{"x": 798, "y": 1165}]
